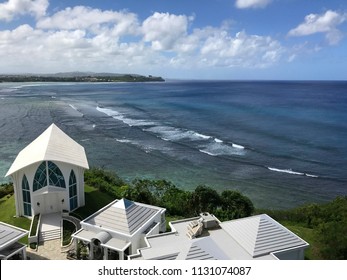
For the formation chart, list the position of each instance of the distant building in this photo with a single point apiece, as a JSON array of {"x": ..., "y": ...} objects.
[
  {"x": 206, "y": 238},
  {"x": 48, "y": 175},
  {"x": 9, "y": 242},
  {"x": 119, "y": 229}
]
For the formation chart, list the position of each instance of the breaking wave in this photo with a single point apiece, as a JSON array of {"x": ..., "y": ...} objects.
[
  {"x": 205, "y": 143},
  {"x": 289, "y": 171}
]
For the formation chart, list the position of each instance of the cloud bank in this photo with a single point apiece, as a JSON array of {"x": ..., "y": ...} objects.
[{"x": 83, "y": 38}]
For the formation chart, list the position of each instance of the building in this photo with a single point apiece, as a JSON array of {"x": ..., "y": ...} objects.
[
  {"x": 9, "y": 242},
  {"x": 119, "y": 229},
  {"x": 48, "y": 174},
  {"x": 206, "y": 238}
]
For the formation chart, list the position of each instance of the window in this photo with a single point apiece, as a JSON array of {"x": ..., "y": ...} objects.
[
  {"x": 50, "y": 170},
  {"x": 40, "y": 179},
  {"x": 26, "y": 196},
  {"x": 73, "y": 190},
  {"x": 56, "y": 178}
]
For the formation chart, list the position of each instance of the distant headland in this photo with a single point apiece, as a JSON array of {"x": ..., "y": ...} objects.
[{"x": 78, "y": 77}]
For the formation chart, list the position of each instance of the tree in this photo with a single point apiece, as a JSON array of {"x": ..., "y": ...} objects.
[
  {"x": 204, "y": 199},
  {"x": 235, "y": 205},
  {"x": 332, "y": 237},
  {"x": 140, "y": 191}
]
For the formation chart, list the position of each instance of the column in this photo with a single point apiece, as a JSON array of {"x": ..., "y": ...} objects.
[
  {"x": 105, "y": 253},
  {"x": 121, "y": 255},
  {"x": 91, "y": 250},
  {"x": 24, "y": 253}
]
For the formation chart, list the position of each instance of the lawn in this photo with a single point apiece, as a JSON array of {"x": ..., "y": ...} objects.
[
  {"x": 308, "y": 234},
  {"x": 94, "y": 201}
]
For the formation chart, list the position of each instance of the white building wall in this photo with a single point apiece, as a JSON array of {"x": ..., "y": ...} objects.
[
  {"x": 293, "y": 254},
  {"x": 58, "y": 198}
]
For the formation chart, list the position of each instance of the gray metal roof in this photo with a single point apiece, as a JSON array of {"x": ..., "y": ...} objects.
[
  {"x": 124, "y": 216},
  {"x": 214, "y": 243},
  {"x": 10, "y": 234},
  {"x": 167, "y": 257},
  {"x": 261, "y": 235},
  {"x": 196, "y": 253}
]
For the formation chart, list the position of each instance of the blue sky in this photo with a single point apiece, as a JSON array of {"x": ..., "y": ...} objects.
[{"x": 205, "y": 39}]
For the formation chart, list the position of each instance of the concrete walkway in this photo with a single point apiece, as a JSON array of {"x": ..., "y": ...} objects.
[{"x": 49, "y": 250}]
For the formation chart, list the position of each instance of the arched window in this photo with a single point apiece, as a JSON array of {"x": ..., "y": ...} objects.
[
  {"x": 40, "y": 179},
  {"x": 26, "y": 196},
  {"x": 50, "y": 170},
  {"x": 73, "y": 190},
  {"x": 56, "y": 178}
]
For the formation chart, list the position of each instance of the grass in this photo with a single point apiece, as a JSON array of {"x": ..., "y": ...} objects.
[
  {"x": 309, "y": 235},
  {"x": 34, "y": 227},
  {"x": 94, "y": 201}
]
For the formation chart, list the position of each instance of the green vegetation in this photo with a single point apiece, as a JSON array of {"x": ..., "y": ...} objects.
[
  {"x": 178, "y": 202},
  {"x": 33, "y": 231},
  {"x": 323, "y": 226},
  {"x": 68, "y": 229},
  {"x": 6, "y": 189}
]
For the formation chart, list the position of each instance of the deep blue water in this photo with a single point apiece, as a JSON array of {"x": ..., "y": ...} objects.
[{"x": 281, "y": 143}]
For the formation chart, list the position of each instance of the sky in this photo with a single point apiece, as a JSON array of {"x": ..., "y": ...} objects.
[{"x": 177, "y": 39}]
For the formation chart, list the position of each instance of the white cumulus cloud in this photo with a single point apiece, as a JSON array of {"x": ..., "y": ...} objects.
[
  {"x": 321, "y": 23},
  {"x": 241, "y": 50},
  {"x": 81, "y": 17},
  {"x": 245, "y": 4},
  {"x": 12, "y": 8},
  {"x": 163, "y": 30}
]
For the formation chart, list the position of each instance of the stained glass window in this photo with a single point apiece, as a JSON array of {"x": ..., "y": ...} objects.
[
  {"x": 26, "y": 196},
  {"x": 55, "y": 176},
  {"x": 40, "y": 179},
  {"x": 73, "y": 190}
]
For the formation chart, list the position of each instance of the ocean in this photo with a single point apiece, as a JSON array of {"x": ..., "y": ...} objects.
[{"x": 281, "y": 143}]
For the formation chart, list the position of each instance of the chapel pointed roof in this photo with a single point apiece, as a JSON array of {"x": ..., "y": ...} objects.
[{"x": 54, "y": 145}]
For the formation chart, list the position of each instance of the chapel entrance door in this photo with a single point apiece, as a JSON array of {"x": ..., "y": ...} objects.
[{"x": 51, "y": 202}]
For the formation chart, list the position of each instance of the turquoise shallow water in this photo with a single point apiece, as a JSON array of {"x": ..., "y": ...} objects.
[{"x": 280, "y": 143}]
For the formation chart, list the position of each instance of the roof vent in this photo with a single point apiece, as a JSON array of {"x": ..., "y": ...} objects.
[{"x": 209, "y": 221}]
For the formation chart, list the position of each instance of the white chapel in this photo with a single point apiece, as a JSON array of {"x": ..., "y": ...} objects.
[{"x": 48, "y": 174}]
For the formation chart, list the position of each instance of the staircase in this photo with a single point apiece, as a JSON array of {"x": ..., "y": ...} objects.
[
  {"x": 50, "y": 228},
  {"x": 49, "y": 235}
]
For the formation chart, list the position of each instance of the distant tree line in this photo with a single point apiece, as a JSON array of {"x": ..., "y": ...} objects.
[{"x": 116, "y": 78}]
